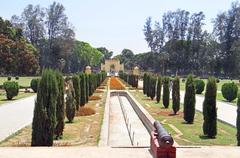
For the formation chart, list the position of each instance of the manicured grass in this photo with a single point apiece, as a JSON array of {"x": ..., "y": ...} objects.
[
  {"x": 20, "y": 96},
  {"x": 84, "y": 131},
  {"x": 192, "y": 133},
  {"x": 22, "y": 81}
]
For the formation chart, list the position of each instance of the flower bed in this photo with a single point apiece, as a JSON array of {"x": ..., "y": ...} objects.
[{"x": 115, "y": 84}]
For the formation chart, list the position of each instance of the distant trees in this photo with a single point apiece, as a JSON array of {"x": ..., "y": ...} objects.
[
  {"x": 16, "y": 55},
  {"x": 189, "y": 100}
]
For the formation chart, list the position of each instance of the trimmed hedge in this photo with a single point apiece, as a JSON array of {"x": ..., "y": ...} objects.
[
  {"x": 34, "y": 84},
  {"x": 166, "y": 92},
  {"x": 229, "y": 91},
  {"x": 199, "y": 85},
  {"x": 11, "y": 89},
  {"x": 176, "y": 95}
]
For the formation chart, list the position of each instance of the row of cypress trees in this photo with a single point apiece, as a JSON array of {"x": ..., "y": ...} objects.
[
  {"x": 209, "y": 105},
  {"x": 49, "y": 111},
  {"x": 129, "y": 78}
]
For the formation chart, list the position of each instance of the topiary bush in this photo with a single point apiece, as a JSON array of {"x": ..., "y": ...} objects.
[
  {"x": 11, "y": 89},
  {"x": 189, "y": 100},
  {"x": 210, "y": 109},
  {"x": 199, "y": 85},
  {"x": 34, "y": 84},
  {"x": 9, "y": 78},
  {"x": 217, "y": 80},
  {"x": 229, "y": 91},
  {"x": 17, "y": 78}
]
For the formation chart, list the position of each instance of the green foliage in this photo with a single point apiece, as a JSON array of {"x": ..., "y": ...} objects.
[
  {"x": 199, "y": 85},
  {"x": 176, "y": 95},
  {"x": 229, "y": 91},
  {"x": 159, "y": 88},
  {"x": 34, "y": 84},
  {"x": 60, "y": 106},
  {"x": 9, "y": 78},
  {"x": 44, "y": 119},
  {"x": 152, "y": 87},
  {"x": 210, "y": 109},
  {"x": 145, "y": 83},
  {"x": 17, "y": 78},
  {"x": 238, "y": 121},
  {"x": 70, "y": 102},
  {"x": 87, "y": 87},
  {"x": 166, "y": 92},
  {"x": 11, "y": 89},
  {"x": 83, "y": 89},
  {"x": 76, "y": 86},
  {"x": 189, "y": 100}
]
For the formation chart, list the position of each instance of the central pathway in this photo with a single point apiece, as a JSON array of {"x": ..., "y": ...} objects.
[{"x": 16, "y": 115}]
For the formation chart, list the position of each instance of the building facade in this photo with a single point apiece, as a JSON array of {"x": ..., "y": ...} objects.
[{"x": 112, "y": 66}]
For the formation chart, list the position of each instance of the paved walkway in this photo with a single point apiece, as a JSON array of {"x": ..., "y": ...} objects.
[
  {"x": 107, "y": 152},
  {"x": 225, "y": 112},
  {"x": 16, "y": 115}
]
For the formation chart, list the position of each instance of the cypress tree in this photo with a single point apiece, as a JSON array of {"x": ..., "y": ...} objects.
[
  {"x": 238, "y": 120},
  {"x": 76, "y": 86},
  {"x": 144, "y": 83},
  {"x": 159, "y": 87},
  {"x": 70, "y": 102},
  {"x": 166, "y": 92},
  {"x": 60, "y": 107},
  {"x": 152, "y": 87},
  {"x": 87, "y": 86},
  {"x": 176, "y": 95},
  {"x": 189, "y": 100},
  {"x": 44, "y": 119},
  {"x": 83, "y": 89},
  {"x": 148, "y": 87},
  {"x": 210, "y": 109}
]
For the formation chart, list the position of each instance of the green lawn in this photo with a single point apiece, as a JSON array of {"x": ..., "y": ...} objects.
[
  {"x": 23, "y": 81},
  {"x": 192, "y": 133}
]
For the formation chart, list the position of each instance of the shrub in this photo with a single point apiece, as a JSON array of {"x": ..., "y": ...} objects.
[
  {"x": 166, "y": 92},
  {"x": 17, "y": 78},
  {"x": 210, "y": 109},
  {"x": 44, "y": 119},
  {"x": 159, "y": 88},
  {"x": 34, "y": 84},
  {"x": 9, "y": 78},
  {"x": 11, "y": 89},
  {"x": 70, "y": 102},
  {"x": 144, "y": 83},
  {"x": 183, "y": 80},
  {"x": 238, "y": 120},
  {"x": 229, "y": 91},
  {"x": 85, "y": 111},
  {"x": 60, "y": 107},
  {"x": 217, "y": 80},
  {"x": 76, "y": 86},
  {"x": 199, "y": 85},
  {"x": 176, "y": 95},
  {"x": 87, "y": 87},
  {"x": 189, "y": 100}
]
